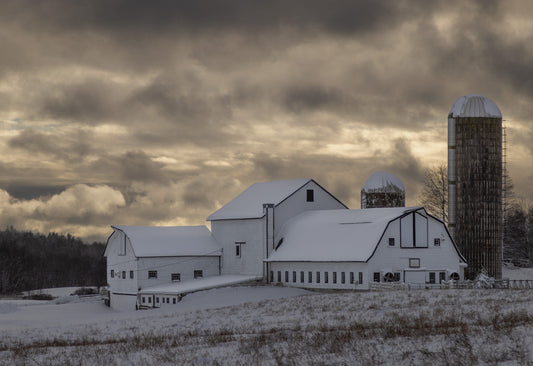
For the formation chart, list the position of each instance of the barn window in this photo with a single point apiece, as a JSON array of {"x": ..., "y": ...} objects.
[
  {"x": 152, "y": 274},
  {"x": 317, "y": 277},
  {"x": 310, "y": 277},
  {"x": 286, "y": 276},
  {"x": 238, "y": 248},
  {"x": 442, "y": 276},
  {"x": 131, "y": 275},
  {"x": 157, "y": 300},
  {"x": 436, "y": 242},
  {"x": 302, "y": 277},
  {"x": 391, "y": 242},
  {"x": 175, "y": 277},
  {"x": 334, "y": 277},
  {"x": 173, "y": 300},
  {"x": 150, "y": 300},
  {"x": 112, "y": 273},
  {"x": 198, "y": 273},
  {"x": 377, "y": 276},
  {"x": 294, "y": 276},
  {"x": 279, "y": 276},
  {"x": 144, "y": 300},
  {"x": 122, "y": 250},
  {"x": 310, "y": 195},
  {"x": 414, "y": 262},
  {"x": 352, "y": 277},
  {"x": 271, "y": 276},
  {"x": 343, "y": 277},
  {"x": 326, "y": 279},
  {"x": 124, "y": 275},
  {"x": 397, "y": 276},
  {"x": 360, "y": 277},
  {"x": 431, "y": 277}
]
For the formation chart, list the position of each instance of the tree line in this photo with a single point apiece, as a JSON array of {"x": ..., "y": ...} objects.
[
  {"x": 31, "y": 261},
  {"x": 517, "y": 214}
]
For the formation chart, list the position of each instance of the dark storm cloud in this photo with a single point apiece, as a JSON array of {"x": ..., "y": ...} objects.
[
  {"x": 69, "y": 148},
  {"x": 344, "y": 17},
  {"x": 27, "y": 191}
]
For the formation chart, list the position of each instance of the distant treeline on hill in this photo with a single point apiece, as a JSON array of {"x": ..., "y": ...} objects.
[{"x": 31, "y": 261}]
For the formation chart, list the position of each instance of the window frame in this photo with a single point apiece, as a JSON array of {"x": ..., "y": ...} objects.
[
  {"x": 436, "y": 242},
  {"x": 152, "y": 274},
  {"x": 392, "y": 242},
  {"x": 175, "y": 277},
  {"x": 131, "y": 275},
  {"x": 414, "y": 262},
  {"x": 198, "y": 273},
  {"x": 310, "y": 195}
]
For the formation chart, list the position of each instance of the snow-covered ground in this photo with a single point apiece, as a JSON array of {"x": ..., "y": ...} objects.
[{"x": 273, "y": 325}]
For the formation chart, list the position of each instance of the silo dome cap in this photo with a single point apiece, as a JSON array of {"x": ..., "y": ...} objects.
[
  {"x": 381, "y": 181},
  {"x": 475, "y": 105}
]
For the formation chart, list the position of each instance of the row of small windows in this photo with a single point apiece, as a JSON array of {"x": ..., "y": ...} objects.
[
  {"x": 148, "y": 300},
  {"x": 436, "y": 242},
  {"x": 317, "y": 277},
  {"x": 396, "y": 277},
  {"x": 174, "y": 277},
  {"x": 121, "y": 274}
]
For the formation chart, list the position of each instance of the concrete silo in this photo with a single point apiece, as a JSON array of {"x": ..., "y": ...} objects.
[
  {"x": 475, "y": 183},
  {"x": 382, "y": 190}
]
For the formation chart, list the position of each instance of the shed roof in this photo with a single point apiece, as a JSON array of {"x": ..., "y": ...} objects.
[
  {"x": 475, "y": 105},
  {"x": 249, "y": 204},
  {"x": 335, "y": 235},
  {"x": 158, "y": 241}
]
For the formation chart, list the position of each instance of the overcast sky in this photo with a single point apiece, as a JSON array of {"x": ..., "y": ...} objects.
[{"x": 159, "y": 112}]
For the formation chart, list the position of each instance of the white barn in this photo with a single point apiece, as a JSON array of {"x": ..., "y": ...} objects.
[
  {"x": 351, "y": 248},
  {"x": 292, "y": 232},
  {"x": 245, "y": 227},
  {"x": 142, "y": 257}
]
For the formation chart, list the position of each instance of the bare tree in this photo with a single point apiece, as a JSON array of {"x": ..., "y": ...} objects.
[{"x": 434, "y": 196}]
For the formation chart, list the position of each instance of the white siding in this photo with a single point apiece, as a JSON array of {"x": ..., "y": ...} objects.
[
  {"x": 297, "y": 203},
  {"x": 165, "y": 266},
  {"x": 442, "y": 258},
  {"x": 252, "y": 233},
  {"x": 121, "y": 264}
]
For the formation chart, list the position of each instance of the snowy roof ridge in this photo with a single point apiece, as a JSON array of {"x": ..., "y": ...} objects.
[
  {"x": 249, "y": 204},
  {"x": 156, "y": 241},
  {"x": 475, "y": 105},
  {"x": 329, "y": 235}
]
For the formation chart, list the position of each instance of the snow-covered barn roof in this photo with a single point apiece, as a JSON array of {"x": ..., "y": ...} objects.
[
  {"x": 249, "y": 204},
  {"x": 475, "y": 105},
  {"x": 335, "y": 235},
  {"x": 157, "y": 241},
  {"x": 382, "y": 181}
]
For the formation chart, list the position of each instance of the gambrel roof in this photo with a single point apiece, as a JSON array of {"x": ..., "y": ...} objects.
[
  {"x": 335, "y": 235},
  {"x": 249, "y": 204},
  {"x": 168, "y": 241}
]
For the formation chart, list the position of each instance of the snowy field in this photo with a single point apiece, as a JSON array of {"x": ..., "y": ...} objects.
[{"x": 276, "y": 326}]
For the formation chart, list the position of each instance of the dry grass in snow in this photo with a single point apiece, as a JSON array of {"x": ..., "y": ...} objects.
[{"x": 438, "y": 327}]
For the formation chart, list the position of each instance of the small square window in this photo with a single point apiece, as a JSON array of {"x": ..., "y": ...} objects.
[
  {"x": 198, "y": 273},
  {"x": 310, "y": 195},
  {"x": 175, "y": 277},
  {"x": 152, "y": 274},
  {"x": 436, "y": 242},
  {"x": 414, "y": 262},
  {"x": 391, "y": 242}
]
